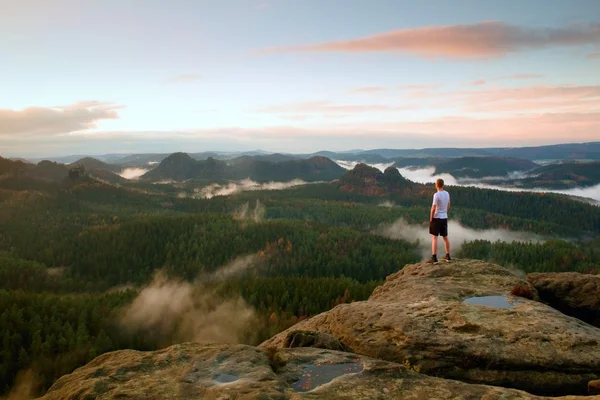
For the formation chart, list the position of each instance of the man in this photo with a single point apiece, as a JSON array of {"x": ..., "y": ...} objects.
[{"x": 438, "y": 221}]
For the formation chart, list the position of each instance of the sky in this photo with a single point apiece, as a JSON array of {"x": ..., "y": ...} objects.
[{"x": 136, "y": 76}]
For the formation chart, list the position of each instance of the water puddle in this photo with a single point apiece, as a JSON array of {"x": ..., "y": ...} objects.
[
  {"x": 314, "y": 375},
  {"x": 226, "y": 378},
  {"x": 492, "y": 301}
]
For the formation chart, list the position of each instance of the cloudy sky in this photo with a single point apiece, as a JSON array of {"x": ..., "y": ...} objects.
[{"x": 102, "y": 76}]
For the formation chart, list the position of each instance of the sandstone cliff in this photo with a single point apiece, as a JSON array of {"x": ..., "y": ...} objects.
[
  {"x": 450, "y": 331},
  {"x": 420, "y": 315}
]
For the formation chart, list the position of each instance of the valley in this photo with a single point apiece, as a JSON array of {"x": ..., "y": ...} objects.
[{"x": 78, "y": 245}]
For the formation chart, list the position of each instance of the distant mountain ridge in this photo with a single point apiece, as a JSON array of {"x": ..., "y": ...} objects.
[
  {"x": 480, "y": 167},
  {"x": 181, "y": 166},
  {"x": 53, "y": 171},
  {"x": 566, "y": 151}
]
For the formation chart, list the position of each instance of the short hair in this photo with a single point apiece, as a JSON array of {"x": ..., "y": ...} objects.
[{"x": 439, "y": 183}]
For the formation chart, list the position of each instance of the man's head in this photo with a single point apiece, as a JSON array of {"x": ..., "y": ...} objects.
[{"x": 439, "y": 183}]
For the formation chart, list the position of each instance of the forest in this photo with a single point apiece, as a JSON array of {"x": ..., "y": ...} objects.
[{"x": 75, "y": 253}]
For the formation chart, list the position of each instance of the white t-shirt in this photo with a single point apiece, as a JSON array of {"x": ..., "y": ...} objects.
[{"x": 441, "y": 199}]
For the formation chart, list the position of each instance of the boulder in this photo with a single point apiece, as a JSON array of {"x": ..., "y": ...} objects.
[
  {"x": 572, "y": 293},
  {"x": 459, "y": 321},
  {"x": 226, "y": 372},
  {"x": 313, "y": 339},
  {"x": 594, "y": 388}
]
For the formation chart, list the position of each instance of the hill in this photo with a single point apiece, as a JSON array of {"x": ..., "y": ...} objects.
[
  {"x": 569, "y": 151},
  {"x": 14, "y": 167},
  {"x": 418, "y": 162},
  {"x": 480, "y": 167},
  {"x": 370, "y": 181},
  {"x": 277, "y": 157},
  {"x": 565, "y": 175},
  {"x": 91, "y": 164},
  {"x": 180, "y": 166}
]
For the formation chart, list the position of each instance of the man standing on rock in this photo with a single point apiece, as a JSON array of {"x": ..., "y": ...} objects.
[{"x": 438, "y": 221}]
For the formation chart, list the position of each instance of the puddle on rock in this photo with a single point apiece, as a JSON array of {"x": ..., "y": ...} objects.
[
  {"x": 492, "y": 301},
  {"x": 315, "y": 375},
  {"x": 225, "y": 378}
]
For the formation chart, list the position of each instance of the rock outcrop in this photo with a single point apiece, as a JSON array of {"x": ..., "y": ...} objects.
[
  {"x": 432, "y": 317},
  {"x": 572, "y": 293},
  {"x": 371, "y": 181},
  {"x": 227, "y": 372}
]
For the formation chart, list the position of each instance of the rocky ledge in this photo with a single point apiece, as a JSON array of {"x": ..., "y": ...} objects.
[
  {"x": 572, "y": 293},
  {"x": 449, "y": 331},
  {"x": 460, "y": 321},
  {"x": 227, "y": 372}
]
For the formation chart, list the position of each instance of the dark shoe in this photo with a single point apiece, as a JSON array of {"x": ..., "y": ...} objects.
[
  {"x": 447, "y": 258},
  {"x": 433, "y": 260}
]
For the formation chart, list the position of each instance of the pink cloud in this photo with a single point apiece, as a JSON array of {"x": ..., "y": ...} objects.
[
  {"x": 593, "y": 55},
  {"x": 517, "y": 129},
  {"x": 34, "y": 121},
  {"x": 480, "y": 40},
  {"x": 478, "y": 82},
  {"x": 525, "y": 99},
  {"x": 327, "y": 107},
  {"x": 524, "y": 76},
  {"x": 575, "y": 98},
  {"x": 369, "y": 89}
]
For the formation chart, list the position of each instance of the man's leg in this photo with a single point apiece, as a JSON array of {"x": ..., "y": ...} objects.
[
  {"x": 446, "y": 244},
  {"x": 434, "y": 244}
]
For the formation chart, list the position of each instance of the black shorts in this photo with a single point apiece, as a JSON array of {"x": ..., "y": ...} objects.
[{"x": 439, "y": 227}]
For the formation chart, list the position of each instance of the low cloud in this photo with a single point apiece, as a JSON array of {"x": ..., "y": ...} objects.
[
  {"x": 173, "y": 311},
  {"x": 593, "y": 55},
  {"x": 245, "y": 213},
  {"x": 457, "y": 234},
  {"x": 481, "y": 40},
  {"x": 427, "y": 175},
  {"x": 133, "y": 173},
  {"x": 351, "y": 164},
  {"x": 48, "y": 121},
  {"x": 231, "y": 188},
  {"x": 236, "y": 267}
]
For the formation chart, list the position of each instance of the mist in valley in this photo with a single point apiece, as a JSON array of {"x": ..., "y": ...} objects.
[
  {"x": 230, "y": 188},
  {"x": 457, "y": 233},
  {"x": 133, "y": 173},
  {"x": 351, "y": 164},
  {"x": 427, "y": 176},
  {"x": 171, "y": 310}
]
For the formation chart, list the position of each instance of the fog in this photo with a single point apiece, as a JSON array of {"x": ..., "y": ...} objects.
[
  {"x": 245, "y": 213},
  {"x": 244, "y": 185},
  {"x": 351, "y": 164},
  {"x": 457, "y": 234},
  {"x": 133, "y": 173},
  {"x": 426, "y": 175},
  {"x": 25, "y": 385},
  {"x": 176, "y": 311}
]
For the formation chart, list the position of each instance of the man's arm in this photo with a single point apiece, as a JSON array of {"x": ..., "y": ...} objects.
[
  {"x": 448, "y": 209},
  {"x": 433, "y": 207}
]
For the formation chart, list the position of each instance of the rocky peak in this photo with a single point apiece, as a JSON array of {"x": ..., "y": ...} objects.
[
  {"x": 460, "y": 321},
  {"x": 421, "y": 333}
]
